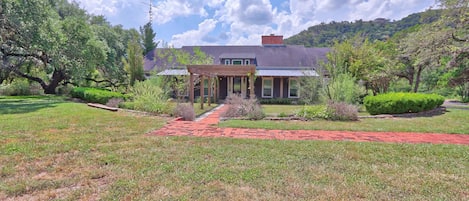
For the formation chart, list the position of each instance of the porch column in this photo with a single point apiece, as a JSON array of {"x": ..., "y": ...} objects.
[
  {"x": 191, "y": 88},
  {"x": 251, "y": 85},
  {"x": 202, "y": 92},
  {"x": 209, "y": 90},
  {"x": 281, "y": 87},
  {"x": 217, "y": 90}
]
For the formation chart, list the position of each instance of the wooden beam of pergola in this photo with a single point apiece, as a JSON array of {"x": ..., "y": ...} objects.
[{"x": 219, "y": 70}]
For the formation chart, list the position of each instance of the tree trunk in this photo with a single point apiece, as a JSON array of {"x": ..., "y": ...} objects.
[
  {"x": 57, "y": 77},
  {"x": 417, "y": 79}
]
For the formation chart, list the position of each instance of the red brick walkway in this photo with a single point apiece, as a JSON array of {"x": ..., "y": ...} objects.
[{"x": 207, "y": 128}]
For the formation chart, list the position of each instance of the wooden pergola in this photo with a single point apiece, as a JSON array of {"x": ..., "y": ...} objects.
[{"x": 211, "y": 71}]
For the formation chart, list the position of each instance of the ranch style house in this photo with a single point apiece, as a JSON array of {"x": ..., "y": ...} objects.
[{"x": 266, "y": 71}]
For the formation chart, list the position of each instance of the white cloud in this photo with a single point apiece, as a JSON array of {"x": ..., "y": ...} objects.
[
  {"x": 167, "y": 10},
  {"x": 393, "y": 9},
  {"x": 244, "y": 21},
  {"x": 195, "y": 37},
  {"x": 103, "y": 7}
]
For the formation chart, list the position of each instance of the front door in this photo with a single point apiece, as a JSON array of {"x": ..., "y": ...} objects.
[{"x": 237, "y": 85}]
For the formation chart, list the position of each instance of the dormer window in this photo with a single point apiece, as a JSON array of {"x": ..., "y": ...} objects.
[{"x": 237, "y": 62}]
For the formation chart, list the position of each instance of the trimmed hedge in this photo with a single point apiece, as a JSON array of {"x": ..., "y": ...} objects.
[
  {"x": 95, "y": 95},
  {"x": 399, "y": 103},
  {"x": 276, "y": 101}
]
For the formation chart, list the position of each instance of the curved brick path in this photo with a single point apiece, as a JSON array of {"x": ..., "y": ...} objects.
[{"x": 206, "y": 127}]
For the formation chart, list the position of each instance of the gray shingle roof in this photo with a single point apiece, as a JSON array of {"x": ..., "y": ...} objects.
[{"x": 269, "y": 56}]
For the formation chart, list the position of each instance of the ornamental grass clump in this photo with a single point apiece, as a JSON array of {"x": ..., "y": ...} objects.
[
  {"x": 342, "y": 111},
  {"x": 240, "y": 107},
  {"x": 185, "y": 111}
]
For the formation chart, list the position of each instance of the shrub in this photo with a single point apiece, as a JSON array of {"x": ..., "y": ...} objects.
[
  {"x": 148, "y": 97},
  {"x": 276, "y": 101},
  {"x": 94, "y": 95},
  {"x": 240, "y": 107},
  {"x": 331, "y": 111},
  {"x": 399, "y": 103},
  {"x": 343, "y": 88},
  {"x": 342, "y": 111},
  {"x": 282, "y": 114},
  {"x": 314, "y": 112},
  {"x": 184, "y": 110},
  {"x": 114, "y": 102},
  {"x": 18, "y": 87},
  {"x": 127, "y": 105}
]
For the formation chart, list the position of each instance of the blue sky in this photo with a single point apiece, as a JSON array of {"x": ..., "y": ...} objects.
[{"x": 242, "y": 22}]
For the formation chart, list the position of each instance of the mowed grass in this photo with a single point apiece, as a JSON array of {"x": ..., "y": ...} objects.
[
  {"x": 454, "y": 121},
  {"x": 68, "y": 151},
  {"x": 275, "y": 110}
]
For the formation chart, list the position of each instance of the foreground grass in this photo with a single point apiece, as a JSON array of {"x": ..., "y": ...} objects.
[
  {"x": 69, "y": 151},
  {"x": 455, "y": 121}
]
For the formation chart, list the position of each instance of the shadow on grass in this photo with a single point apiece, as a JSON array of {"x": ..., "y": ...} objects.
[{"x": 19, "y": 106}]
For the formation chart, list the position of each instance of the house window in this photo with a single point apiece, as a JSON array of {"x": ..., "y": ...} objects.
[
  {"x": 227, "y": 62},
  {"x": 206, "y": 88},
  {"x": 237, "y": 62},
  {"x": 267, "y": 87},
  {"x": 247, "y": 62},
  {"x": 293, "y": 88}
]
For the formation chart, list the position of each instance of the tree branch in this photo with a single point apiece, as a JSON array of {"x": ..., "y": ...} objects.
[{"x": 458, "y": 39}]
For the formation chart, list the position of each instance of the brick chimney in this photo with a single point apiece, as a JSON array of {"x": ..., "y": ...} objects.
[{"x": 272, "y": 40}]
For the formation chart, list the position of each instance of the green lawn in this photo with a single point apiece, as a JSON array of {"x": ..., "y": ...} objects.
[
  {"x": 275, "y": 110},
  {"x": 455, "y": 121},
  {"x": 52, "y": 149}
]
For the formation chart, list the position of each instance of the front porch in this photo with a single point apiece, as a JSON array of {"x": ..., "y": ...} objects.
[{"x": 236, "y": 79}]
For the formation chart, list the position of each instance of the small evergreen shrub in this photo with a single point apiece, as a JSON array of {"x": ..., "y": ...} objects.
[
  {"x": 240, "y": 107},
  {"x": 399, "y": 103},
  {"x": 276, "y": 101},
  {"x": 184, "y": 110},
  {"x": 94, "y": 95}
]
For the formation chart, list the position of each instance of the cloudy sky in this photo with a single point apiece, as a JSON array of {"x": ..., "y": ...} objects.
[{"x": 234, "y": 22}]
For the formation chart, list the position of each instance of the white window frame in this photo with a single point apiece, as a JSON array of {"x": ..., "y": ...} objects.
[
  {"x": 297, "y": 87},
  {"x": 206, "y": 88},
  {"x": 237, "y": 60},
  {"x": 247, "y": 62},
  {"x": 227, "y": 62},
  {"x": 271, "y": 87}
]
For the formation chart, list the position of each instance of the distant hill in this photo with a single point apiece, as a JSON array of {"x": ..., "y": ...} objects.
[{"x": 324, "y": 35}]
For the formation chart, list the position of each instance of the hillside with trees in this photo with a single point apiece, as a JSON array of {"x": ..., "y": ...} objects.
[
  {"x": 324, "y": 35},
  {"x": 430, "y": 57}
]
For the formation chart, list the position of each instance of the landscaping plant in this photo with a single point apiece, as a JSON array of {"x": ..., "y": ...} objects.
[
  {"x": 148, "y": 97},
  {"x": 184, "y": 110},
  {"x": 399, "y": 103},
  {"x": 240, "y": 107}
]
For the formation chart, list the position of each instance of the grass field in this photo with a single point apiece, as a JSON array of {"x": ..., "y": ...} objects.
[{"x": 52, "y": 149}]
